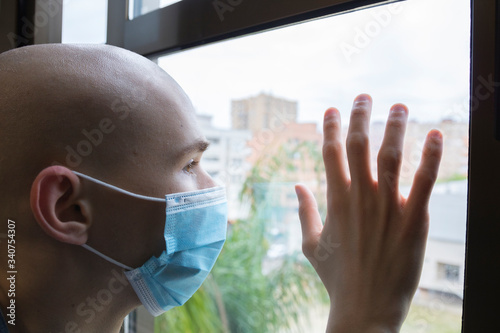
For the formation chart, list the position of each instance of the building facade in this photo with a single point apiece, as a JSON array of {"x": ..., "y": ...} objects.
[
  {"x": 262, "y": 112},
  {"x": 226, "y": 161}
]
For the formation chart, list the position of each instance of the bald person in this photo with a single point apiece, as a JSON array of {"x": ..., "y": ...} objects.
[{"x": 105, "y": 205}]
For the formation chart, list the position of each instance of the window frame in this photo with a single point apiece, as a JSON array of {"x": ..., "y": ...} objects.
[
  {"x": 191, "y": 23},
  {"x": 481, "y": 292}
]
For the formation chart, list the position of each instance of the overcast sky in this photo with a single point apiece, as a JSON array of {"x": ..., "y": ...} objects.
[{"x": 415, "y": 52}]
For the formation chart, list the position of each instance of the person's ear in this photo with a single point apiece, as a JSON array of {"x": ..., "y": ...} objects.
[{"x": 58, "y": 206}]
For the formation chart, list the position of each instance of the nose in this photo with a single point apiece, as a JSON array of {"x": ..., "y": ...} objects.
[{"x": 205, "y": 180}]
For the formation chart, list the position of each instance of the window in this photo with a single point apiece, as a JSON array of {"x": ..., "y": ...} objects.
[
  {"x": 213, "y": 175},
  {"x": 482, "y": 273},
  {"x": 448, "y": 272},
  {"x": 84, "y": 21},
  {"x": 329, "y": 70},
  {"x": 214, "y": 141},
  {"x": 141, "y": 7},
  {"x": 211, "y": 159},
  {"x": 482, "y": 212}
]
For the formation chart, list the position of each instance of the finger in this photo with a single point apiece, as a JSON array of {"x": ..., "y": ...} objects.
[
  {"x": 333, "y": 154},
  {"x": 310, "y": 220},
  {"x": 358, "y": 147},
  {"x": 427, "y": 173},
  {"x": 391, "y": 152}
]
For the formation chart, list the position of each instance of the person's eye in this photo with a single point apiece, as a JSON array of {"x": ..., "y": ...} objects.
[{"x": 190, "y": 166}]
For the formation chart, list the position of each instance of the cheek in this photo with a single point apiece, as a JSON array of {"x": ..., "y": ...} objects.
[
  {"x": 181, "y": 182},
  {"x": 155, "y": 243},
  {"x": 148, "y": 238},
  {"x": 127, "y": 229}
]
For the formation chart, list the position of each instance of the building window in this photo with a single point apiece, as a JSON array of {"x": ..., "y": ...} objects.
[
  {"x": 211, "y": 159},
  {"x": 448, "y": 272},
  {"x": 214, "y": 141}
]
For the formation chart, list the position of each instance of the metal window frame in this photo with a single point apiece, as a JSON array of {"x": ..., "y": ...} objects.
[
  {"x": 191, "y": 23},
  {"x": 25, "y": 22},
  {"x": 8, "y": 24},
  {"x": 482, "y": 264}
]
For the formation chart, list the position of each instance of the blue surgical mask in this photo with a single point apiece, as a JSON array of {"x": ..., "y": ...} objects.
[{"x": 195, "y": 231}]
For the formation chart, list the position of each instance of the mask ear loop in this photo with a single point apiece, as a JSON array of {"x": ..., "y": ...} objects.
[
  {"x": 139, "y": 196},
  {"x": 113, "y": 261}
]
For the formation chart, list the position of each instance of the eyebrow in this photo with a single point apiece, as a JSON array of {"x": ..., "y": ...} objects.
[{"x": 197, "y": 146}]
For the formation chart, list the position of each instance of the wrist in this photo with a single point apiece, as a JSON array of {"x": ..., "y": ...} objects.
[
  {"x": 359, "y": 328},
  {"x": 357, "y": 321}
]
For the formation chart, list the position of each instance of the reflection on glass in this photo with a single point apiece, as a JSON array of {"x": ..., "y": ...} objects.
[
  {"x": 140, "y": 7},
  {"x": 260, "y": 101}
]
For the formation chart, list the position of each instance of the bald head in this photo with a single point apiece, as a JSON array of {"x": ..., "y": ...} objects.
[
  {"x": 89, "y": 107},
  {"x": 114, "y": 116}
]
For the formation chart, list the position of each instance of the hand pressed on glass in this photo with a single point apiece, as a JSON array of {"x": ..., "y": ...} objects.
[{"x": 372, "y": 272}]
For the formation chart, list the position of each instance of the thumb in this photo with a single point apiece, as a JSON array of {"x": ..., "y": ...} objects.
[{"x": 310, "y": 220}]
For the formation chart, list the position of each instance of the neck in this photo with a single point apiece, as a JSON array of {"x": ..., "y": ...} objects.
[{"x": 80, "y": 299}]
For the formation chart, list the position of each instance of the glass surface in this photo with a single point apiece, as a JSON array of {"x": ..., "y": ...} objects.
[
  {"x": 140, "y": 7},
  {"x": 261, "y": 100},
  {"x": 84, "y": 21}
]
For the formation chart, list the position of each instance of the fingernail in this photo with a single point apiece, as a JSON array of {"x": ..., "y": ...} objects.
[
  {"x": 331, "y": 113},
  {"x": 298, "y": 191},
  {"x": 363, "y": 98},
  {"x": 436, "y": 135},
  {"x": 399, "y": 108}
]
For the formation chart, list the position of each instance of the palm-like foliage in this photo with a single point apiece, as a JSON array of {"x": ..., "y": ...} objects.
[{"x": 241, "y": 295}]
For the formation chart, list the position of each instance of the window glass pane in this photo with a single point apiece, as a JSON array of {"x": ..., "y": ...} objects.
[
  {"x": 141, "y": 7},
  {"x": 261, "y": 100},
  {"x": 84, "y": 21}
]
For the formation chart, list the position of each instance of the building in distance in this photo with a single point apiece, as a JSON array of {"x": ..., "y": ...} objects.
[{"x": 261, "y": 112}]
